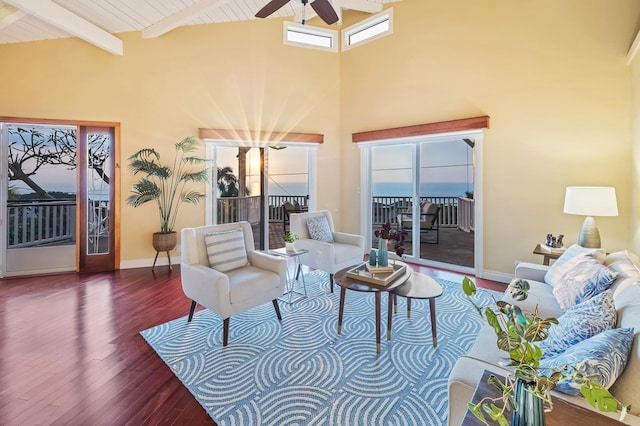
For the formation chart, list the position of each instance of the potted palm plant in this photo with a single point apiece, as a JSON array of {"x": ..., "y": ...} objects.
[{"x": 167, "y": 185}]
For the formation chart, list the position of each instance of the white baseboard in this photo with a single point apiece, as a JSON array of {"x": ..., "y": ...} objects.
[
  {"x": 496, "y": 276},
  {"x": 147, "y": 263}
]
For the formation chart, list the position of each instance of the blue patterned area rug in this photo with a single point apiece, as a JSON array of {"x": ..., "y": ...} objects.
[{"x": 300, "y": 372}]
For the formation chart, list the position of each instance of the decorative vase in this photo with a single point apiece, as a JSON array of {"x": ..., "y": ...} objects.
[
  {"x": 290, "y": 247},
  {"x": 530, "y": 408},
  {"x": 383, "y": 252},
  {"x": 373, "y": 257}
]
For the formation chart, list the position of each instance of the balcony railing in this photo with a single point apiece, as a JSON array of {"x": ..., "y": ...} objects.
[
  {"x": 386, "y": 209},
  {"x": 40, "y": 222},
  {"x": 466, "y": 214}
]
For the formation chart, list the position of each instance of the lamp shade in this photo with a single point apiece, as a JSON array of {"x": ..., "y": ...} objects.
[{"x": 591, "y": 201}]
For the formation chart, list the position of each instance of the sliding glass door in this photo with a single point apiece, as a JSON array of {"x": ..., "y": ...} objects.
[{"x": 418, "y": 187}]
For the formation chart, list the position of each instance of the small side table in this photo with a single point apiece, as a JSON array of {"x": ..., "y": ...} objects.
[
  {"x": 548, "y": 255},
  {"x": 290, "y": 290}
]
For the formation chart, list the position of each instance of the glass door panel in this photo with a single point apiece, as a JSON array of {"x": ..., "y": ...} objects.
[
  {"x": 446, "y": 175},
  {"x": 97, "y": 175},
  {"x": 288, "y": 187},
  {"x": 392, "y": 189},
  {"x": 239, "y": 188},
  {"x": 40, "y": 235}
]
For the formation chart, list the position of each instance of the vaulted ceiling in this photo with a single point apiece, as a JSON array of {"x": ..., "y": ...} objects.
[{"x": 98, "y": 21}]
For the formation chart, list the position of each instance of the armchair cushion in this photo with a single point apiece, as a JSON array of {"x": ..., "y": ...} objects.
[
  {"x": 319, "y": 229},
  {"x": 245, "y": 282},
  {"x": 226, "y": 250}
]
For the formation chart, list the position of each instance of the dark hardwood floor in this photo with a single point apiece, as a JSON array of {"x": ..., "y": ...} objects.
[{"x": 71, "y": 352}]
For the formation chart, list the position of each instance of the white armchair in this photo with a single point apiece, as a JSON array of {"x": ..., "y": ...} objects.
[
  {"x": 345, "y": 250},
  {"x": 233, "y": 291}
]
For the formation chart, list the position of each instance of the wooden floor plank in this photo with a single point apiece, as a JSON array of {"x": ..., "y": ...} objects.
[{"x": 71, "y": 351}]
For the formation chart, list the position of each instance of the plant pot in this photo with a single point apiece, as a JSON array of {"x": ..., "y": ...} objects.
[
  {"x": 165, "y": 241},
  {"x": 530, "y": 408},
  {"x": 290, "y": 247}
]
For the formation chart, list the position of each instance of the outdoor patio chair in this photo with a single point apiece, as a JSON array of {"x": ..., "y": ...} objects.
[
  {"x": 222, "y": 271},
  {"x": 334, "y": 252},
  {"x": 429, "y": 220},
  {"x": 287, "y": 209}
]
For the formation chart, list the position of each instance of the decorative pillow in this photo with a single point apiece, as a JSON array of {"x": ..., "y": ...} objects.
[
  {"x": 580, "y": 322},
  {"x": 584, "y": 280},
  {"x": 566, "y": 261},
  {"x": 605, "y": 356},
  {"x": 319, "y": 229},
  {"x": 226, "y": 250}
]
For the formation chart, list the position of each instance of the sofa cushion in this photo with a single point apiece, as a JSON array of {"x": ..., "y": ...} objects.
[
  {"x": 580, "y": 322},
  {"x": 567, "y": 260},
  {"x": 604, "y": 356},
  {"x": 627, "y": 265},
  {"x": 226, "y": 250},
  {"x": 582, "y": 281},
  {"x": 319, "y": 229}
]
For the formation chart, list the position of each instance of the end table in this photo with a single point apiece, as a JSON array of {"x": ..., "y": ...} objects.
[{"x": 292, "y": 278}]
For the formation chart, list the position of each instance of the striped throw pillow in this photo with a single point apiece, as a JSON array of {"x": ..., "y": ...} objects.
[{"x": 226, "y": 250}]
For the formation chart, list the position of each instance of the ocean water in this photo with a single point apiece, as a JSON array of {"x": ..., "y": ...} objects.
[
  {"x": 389, "y": 189},
  {"x": 430, "y": 189}
]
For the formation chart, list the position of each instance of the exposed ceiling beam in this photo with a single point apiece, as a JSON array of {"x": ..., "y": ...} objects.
[
  {"x": 339, "y": 6},
  {"x": 69, "y": 22},
  {"x": 361, "y": 6},
  {"x": 9, "y": 15},
  {"x": 184, "y": 16}
]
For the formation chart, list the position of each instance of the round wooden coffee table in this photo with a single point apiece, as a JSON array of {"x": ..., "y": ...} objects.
[
  {"x": 417, "y": 286},
  {"x": 347, "y": 283}
]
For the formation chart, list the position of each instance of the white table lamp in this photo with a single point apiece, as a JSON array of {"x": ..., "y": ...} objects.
[{"x": 590, "y": 201}]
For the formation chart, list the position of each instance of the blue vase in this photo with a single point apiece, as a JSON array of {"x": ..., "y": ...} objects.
[
  {"x": 383, "y": 252},
  {"x": 530, "y": 408},
  {"x": 373, "y": 257}
]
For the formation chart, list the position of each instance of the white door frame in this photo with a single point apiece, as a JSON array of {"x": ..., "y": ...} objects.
[{"x": 366, "y": 191}]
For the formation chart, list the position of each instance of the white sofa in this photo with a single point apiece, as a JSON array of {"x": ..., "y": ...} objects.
[{"x": 484, "y": 354}]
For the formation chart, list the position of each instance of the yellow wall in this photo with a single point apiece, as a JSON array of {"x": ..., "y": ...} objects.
[
  {"x": 635, "y": 154},
  {"x": 236, "y": 75},
  {"x": 551, "y": 75}
]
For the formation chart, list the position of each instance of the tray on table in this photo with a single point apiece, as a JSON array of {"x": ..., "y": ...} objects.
[{"x": 362, "y": 273}]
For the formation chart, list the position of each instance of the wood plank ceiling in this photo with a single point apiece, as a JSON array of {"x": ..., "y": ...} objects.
[{"x": 97, "y": 21}]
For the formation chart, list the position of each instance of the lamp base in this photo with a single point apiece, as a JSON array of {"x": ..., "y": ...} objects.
[{"x": 589, "y": 236}]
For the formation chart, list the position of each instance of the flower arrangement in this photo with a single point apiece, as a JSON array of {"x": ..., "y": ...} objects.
[
  {"x": 386, "y": 233},
  {"x": 517, "y": 334}
]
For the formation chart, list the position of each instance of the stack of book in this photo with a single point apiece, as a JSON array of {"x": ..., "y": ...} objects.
[{"x": 552, "y": 249}]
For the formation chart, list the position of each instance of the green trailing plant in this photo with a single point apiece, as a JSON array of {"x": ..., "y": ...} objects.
[
  {"x": 517, "y": 334},
  {"x": 167, "y": 184},
  {"x": 290, "y": 237}
]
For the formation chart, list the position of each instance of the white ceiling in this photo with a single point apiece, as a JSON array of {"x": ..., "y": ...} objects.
[{"x": 99, "y": 21}]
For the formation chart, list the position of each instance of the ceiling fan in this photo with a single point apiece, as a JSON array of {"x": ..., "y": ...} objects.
[{"x": 322, "y": 7}]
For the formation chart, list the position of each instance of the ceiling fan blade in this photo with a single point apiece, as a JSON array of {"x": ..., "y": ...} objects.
[
  {"x": 325, "y": 11},
  {"x": 271, "y": 7}
]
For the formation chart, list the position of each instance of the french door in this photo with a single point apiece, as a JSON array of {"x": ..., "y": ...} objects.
[{"x": 57, "y": 196}]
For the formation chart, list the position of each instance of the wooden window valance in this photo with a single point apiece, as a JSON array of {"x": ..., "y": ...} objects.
[
  {"x": 259, "y": 136},
  {"x": 423, "y": 129}
]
